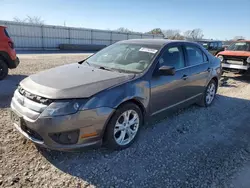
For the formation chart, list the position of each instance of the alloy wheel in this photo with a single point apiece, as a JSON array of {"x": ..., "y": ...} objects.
[
  {"x": 210, "y": 94},
  {"x": 126, "y": 127}
]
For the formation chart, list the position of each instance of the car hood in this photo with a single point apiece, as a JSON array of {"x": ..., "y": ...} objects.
[
  {"x": 234, "y": 53},
  {"x": 72, "y": 81}
]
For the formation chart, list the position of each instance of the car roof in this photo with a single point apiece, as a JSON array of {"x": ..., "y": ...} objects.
[
  {"x": 154, "y": 42},
  {"x": 3, "y": 26},
  {"x": 241, "y": 41}
]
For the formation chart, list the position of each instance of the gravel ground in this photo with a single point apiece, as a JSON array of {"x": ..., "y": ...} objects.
[{"x": 194, "y": 147}]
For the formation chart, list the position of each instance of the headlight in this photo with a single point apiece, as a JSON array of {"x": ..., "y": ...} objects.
[
  {"x": 62, "y": 108},
  {"x": 248, "y": 59},
  {"x": 221, "y": 58}
]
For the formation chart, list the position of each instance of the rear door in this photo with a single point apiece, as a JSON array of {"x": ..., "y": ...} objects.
[{"x": 198, "y": 69}]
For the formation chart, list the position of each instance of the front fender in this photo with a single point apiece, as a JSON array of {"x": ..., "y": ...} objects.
[{"x": 138, "y": 90}]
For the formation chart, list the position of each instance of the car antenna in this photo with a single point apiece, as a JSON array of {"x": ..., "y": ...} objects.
[
  {"x": 81, "y": 62},
  {"x": 85, "y": 60}
]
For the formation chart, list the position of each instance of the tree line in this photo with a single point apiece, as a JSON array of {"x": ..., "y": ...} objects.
[
  {"x": 173, "y": 34},
  {"x": 176, "y": 34}
]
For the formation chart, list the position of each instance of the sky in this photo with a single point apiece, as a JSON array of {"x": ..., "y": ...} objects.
[{"x": 219, "y": 19}]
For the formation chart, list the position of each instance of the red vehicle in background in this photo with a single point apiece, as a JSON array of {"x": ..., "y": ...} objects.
[
  {"x": 236, "y": 56},
  {"x": 8, "y": 58}
]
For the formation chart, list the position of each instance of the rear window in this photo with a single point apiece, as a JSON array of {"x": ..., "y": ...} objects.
[{"x": 6, "y": 33}]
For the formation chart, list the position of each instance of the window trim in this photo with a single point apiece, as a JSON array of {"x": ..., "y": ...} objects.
[{"x": 192, "y": 66}]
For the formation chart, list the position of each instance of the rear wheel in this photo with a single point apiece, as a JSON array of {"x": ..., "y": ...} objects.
[
  {"x": 3, "y": 70},
  {"x": 209, "y": 94},
  {"x": 123, "y": 127}
]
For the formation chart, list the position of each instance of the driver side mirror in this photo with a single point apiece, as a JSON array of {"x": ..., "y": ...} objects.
[{"x": 167, "y": 70}]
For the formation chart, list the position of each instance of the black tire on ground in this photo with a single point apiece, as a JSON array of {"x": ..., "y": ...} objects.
[
  {"x": 3, "y": 69},
  {"x": 203, "y": 101},
  {"x": 242, "y": 71},
  {"x": 109, "y": 138}
]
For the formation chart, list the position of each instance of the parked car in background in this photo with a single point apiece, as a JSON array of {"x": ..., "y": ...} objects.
[
  {"x": 227, "y": 43},
  {"x": 225, "y": 46},
  {"x": 236, "y": 56},
  {"x": 8, "y": 58},
  {"x": 214, "y": 47},
  {"x": 107, "y": 97}
]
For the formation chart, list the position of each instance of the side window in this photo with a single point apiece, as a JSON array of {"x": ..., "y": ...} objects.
[
  {"x": 215, "y": 45},
  {"x": 195, "y": 55},
  {"x": 220, "y": 44},
  {"x": 211, "y": 45},
  {"x": 205, "y": 58},
  {"x": 173, "y": 56},
  {"x": 6, "y": 33}
]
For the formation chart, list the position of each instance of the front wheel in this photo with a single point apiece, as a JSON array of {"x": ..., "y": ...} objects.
[
  {"x": 123, "y": 127},
  {"x": 3, "y": 70},
  {"x": 209, "y": 94}
]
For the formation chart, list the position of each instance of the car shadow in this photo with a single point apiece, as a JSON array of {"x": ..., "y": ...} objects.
[
  {"x": 182, "y": 147},
  {"x": 224, "y": 82},
  {"x": 7, "y": 88}
]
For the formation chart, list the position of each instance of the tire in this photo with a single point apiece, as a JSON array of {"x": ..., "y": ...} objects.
[
  {"x": 242, "y": 72},
  {"x": 118, "y": 129},
  {"x": 4, "y": 70},
  {"x": 204, "y": 102}
]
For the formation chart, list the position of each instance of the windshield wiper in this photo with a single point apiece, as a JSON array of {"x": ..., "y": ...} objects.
[
  {"x": 105, "y": 68},
  {"x": 81, "y": 62}
]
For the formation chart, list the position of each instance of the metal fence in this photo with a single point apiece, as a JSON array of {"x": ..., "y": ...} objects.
[{"x": 30, "y": 36}]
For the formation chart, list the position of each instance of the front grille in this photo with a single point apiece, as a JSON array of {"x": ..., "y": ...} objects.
[
  {"x": 30, "y": 132},
  {"x": 27, "y": 104},
  {"x": 34, "y": 97},
  {"x": 236, "y": 58}
]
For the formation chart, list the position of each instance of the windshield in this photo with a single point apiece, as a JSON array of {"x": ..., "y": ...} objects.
[
  {"x": 239, "y": 46},
  {"x": 134, "y": 58}
]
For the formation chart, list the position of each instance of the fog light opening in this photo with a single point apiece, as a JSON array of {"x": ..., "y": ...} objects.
[{"x": 70, "y": 137}]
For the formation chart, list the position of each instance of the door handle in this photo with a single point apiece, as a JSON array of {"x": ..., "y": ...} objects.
[{"x": 184, "y": 77}]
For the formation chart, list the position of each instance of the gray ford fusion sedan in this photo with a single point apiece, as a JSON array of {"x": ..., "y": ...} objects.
[{"x": 107, "y": 97}]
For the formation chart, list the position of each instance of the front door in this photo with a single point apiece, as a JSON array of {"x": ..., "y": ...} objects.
[{"x": 168, "y": 91}]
